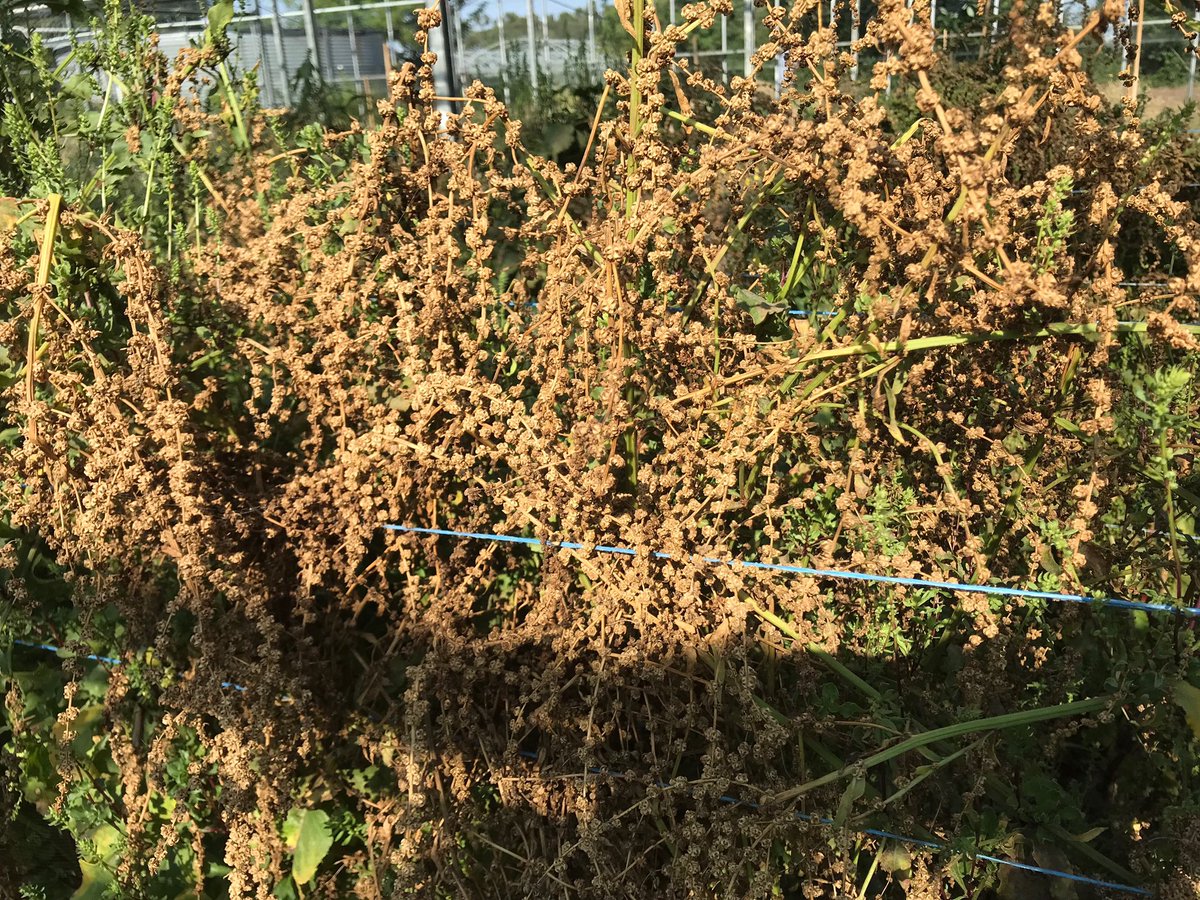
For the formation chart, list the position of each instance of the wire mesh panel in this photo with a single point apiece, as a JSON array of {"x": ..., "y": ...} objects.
[{"x": 527, "y": 49}]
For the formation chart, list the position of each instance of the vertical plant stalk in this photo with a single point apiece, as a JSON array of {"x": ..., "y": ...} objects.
[
  {"x": 41, "y": 286},
  {"x": 1168, "y": 479},
  {"x": 240, "y": 132},
  {"x": 1137, "y": 55},
  {"x": 635, "y": 99}
]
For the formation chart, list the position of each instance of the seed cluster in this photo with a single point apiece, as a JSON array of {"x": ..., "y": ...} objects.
[{"x": 424, "y": 323}]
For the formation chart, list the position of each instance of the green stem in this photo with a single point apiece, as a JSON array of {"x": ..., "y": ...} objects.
[
  {"x": 635, "y": 99},
  {"x": 1167, "y": 479},
  {"x": 958, "y": 729},
  {"x": 934, "y": 342},
  {"x": 240, "y": 132}
]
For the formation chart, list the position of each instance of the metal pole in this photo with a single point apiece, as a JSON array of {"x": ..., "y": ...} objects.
[
  {"x": 355, "y": 68},
  {"x": 354, "y": 63},
  {"x": 459, "y": 58},
  {"x": 311, "y": 40},
  {"x": 593, "y": 61},
  {"x": 1191, "y": 75},
  {"x": 531, "y": 37},
  {"x": 387, "y": 23},
  {"x": 266, "y": 71},
  {"x": 747, "y": 37},
  {"x": 724, "y": 48},
  {"x": 546, "y": 39},
  {"x": 855, "y": 19},
  {"x": 445, "y": 78},
  {"x": 503, "y": 48},
  {"x": 671, "y": 13},
  {"x": 933, "y": 14},
  {"x": 277, "y": 35},
  {"x": 310, "y": 37}
]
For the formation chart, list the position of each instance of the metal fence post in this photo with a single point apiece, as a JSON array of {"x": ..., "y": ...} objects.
[
  {"x": 546, "y": 39},
  {"x": 593, "y": 58},
  {"x": 725, "y": 48},
  {"x": 855, "y": 20},
  {"x": 748, "y": 40},
  {"x": 504, "y": 73},
  {"x": 310, "y": 37},
  {"x": 531, "y": 36},
  {"x": 277, "y": 36},
  {"x": 460, "y": 66},
  {"x": 355, "y": 67},
  {"x": 445, "y": 78},
  {"x": 266, "y": 72}
]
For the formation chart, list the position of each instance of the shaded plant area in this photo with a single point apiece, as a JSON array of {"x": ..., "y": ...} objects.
[{"x": 732, "y": 327}]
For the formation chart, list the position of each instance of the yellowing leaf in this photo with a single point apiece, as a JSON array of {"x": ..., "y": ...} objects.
[
  {"x": 1187, "y": 696},
  {"x": 10, "y": 212},
  {"x": 307, "y": 834}
]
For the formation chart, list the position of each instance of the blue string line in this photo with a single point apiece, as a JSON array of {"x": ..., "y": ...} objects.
[
  {"x": 889, "y": 835},
  {"x": 724, "y": 798},
  {"x": 111, "y": 660},
  {"x": 50, "y": 648},
  {"x": 829, "y": 313},
  {"x": 846, "y": 574},
  {"x": 734, "y": 801}
]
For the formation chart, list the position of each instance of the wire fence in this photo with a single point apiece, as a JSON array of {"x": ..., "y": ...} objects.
[
  {"x": 728, "y": 800},
  {"x": 525, "y": 48},
  {"x": 837, "y": 574}
]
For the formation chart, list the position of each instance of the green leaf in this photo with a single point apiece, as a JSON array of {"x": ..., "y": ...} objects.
[
  {"x": 307, "y": 834},
  {"x": 219, "y": 17},
  {"x": 971, "y": 726},
  {"x": 895, "y": 860},
  {"x": 10, "y": 212},
  {"x": 854, "y": 791},
  {"x": 558, "y": 137},
  {"x": 748, "y": 299},
  {"x": 1187, "y": 696}
]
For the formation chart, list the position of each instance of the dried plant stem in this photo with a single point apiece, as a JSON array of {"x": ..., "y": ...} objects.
[
  {"x": 1135, "y": 81},
  {"x": 42, "y": 285},
  {"x": 933, "y": 342}
]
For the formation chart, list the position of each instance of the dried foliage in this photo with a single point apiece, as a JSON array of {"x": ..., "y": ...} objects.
[{"x": 426, "y": 324}]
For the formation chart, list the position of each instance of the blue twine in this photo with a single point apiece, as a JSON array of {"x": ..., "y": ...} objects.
[
  {"x": 845, "y": 574},
  {"x": 111, "y": 660},
  {"x": 50, "y": 648},
  {"x": 829, "y": 313},
  {"x": 724, "y": 798},
  {"x": 889, "y": 835},
  {"x": 734, "y": 801}
]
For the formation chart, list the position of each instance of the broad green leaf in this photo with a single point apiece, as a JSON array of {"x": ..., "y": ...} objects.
[
  {"x": 98, "y": 878},
  {"x": 558, "y": 136},
  {"x": 854, "y": 791},
  {"x": 895, "y": 860},
  {"x": 219, "y": 17},
  {"x": 307, "y": 834},
  {"x": 1187, "y": 696}
]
